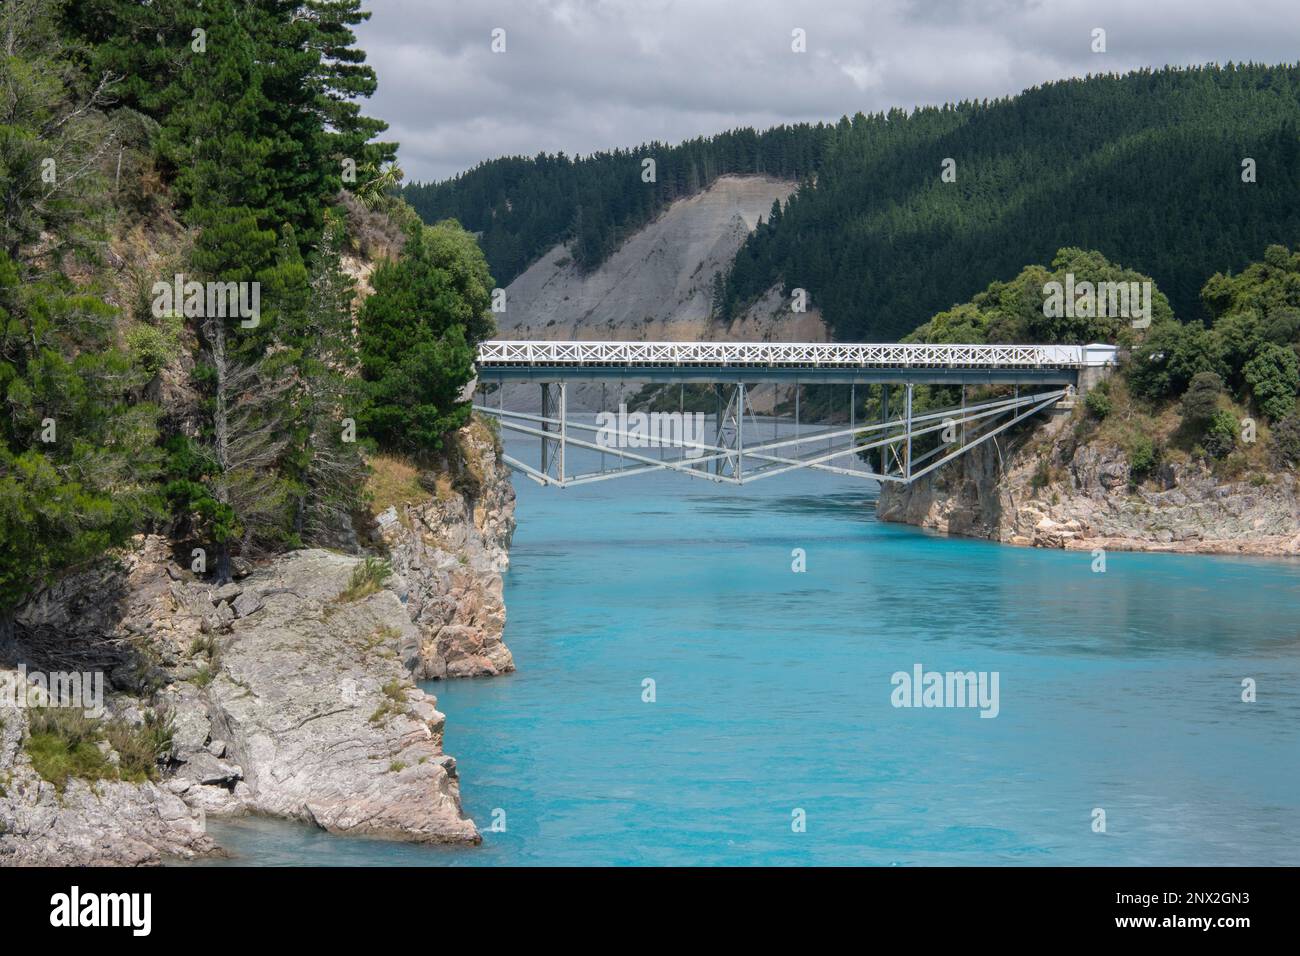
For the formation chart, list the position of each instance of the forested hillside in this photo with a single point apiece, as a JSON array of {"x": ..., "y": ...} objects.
[
  {"x": 1145, "y": 168},
  {"x": 179, "y": 348},
  {"x": 522, "y": 207}
]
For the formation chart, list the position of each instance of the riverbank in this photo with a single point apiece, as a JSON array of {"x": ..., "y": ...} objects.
[
  {"x": 289, "y": 692},
  {"x": 1048, "y": 489}
]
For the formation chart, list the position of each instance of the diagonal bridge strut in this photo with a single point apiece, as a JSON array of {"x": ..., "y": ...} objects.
[{"x": 886, "y": 450}]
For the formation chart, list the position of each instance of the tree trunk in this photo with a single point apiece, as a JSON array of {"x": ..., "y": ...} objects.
[{"x": 224, "y": 575}]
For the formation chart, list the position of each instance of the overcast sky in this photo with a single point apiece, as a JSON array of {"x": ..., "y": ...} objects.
[{"x": 582, "y": 75}]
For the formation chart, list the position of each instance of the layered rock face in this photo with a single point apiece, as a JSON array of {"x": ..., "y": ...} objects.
[
  {"x": 999, "y": 492},
  {"x": 448, "y": 554},
  {"x": 289, "y": 696},
  {"x": 313, "y": 715}
]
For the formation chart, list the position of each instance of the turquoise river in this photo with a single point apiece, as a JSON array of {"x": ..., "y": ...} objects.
[{"x": 1118, "y": 691}]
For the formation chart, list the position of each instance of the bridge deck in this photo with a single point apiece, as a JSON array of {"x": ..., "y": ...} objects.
[{"x": 831, "y": 363}]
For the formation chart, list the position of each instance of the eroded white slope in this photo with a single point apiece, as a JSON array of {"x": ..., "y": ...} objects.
[{"x": 657, "y": 284}]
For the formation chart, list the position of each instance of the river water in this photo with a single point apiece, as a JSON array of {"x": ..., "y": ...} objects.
[{"x": 1118, "y": 692}]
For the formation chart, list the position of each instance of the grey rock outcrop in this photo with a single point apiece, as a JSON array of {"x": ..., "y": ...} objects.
[
  {"x": 1047, "y": 489},
  {"x": 448, "y": 554},
  {"x": 317, "y": 715}
]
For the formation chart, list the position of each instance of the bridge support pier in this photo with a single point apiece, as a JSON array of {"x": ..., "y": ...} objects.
[
  {"x": 884, "y": 417},
  {"x": 730, "y": 432},
  {"x": 554, "y": 406},
  {"x": 907, "y": 454}
]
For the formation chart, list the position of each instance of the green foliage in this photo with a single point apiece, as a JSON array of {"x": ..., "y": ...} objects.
[
  {"x": 1142, "y": 456},
  {"x": 141, "y": 747},
  {"x": 1220, "y": 434},
  {"x": 1170, "y": 356},
  {"x": 153, "y": 346},
  {"x": 1273, "y": 376},
  {"x": 263, "y": 116},
  {"x": 1267, "y": 292},
  {"x": 52, "y": 133},
  {"x": 1201, "y": 400},
  {"x": 418, "y": 332},
  {"x": 63, "y": 743},
  {"x": 1098, "y": 403},
  {"x": 1257, "y": 316},
  {"x": 328, "y": 469},
  {"x": 189, "y": 466},
  {"x": 393, "y": 704},
  {"x": 75, "y": 442},
  {"x": 1284, "y": 442},
  {"x": 367, "y": 578},
  {"x": 1014, "y": 310}
]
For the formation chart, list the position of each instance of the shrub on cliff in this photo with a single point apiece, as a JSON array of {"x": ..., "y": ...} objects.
[
  {"x": 1098, "y": 403},
  {"x": 1201, "y": 400},
  {"x": 1220, "y": 434},
  {"x": 1141, "y": 456}
]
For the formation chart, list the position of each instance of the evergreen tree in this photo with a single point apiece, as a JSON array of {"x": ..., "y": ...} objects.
[
  {"x": 418, "y": 332},
  {"x": 327, "y": 400}
]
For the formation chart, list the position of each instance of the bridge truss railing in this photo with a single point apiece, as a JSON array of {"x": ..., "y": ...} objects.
[{"x": 499, "y": 353}]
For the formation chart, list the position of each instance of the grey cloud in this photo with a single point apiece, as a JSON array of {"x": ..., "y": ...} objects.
[{"x": 580, "y": 75}]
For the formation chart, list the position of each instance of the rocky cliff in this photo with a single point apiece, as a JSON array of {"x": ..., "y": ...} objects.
[
  {"x": 1048, "y": 488},
  {"x": 288, "y": 692},
  {"x": 448, "y": 553}
]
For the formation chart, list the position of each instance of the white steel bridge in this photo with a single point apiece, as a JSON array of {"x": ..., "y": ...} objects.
[{"x": 882, "y": 450}]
